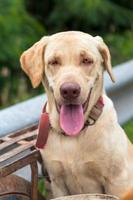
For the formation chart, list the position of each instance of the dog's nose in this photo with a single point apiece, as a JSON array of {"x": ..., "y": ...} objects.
[{"x": 70, "y": 90}]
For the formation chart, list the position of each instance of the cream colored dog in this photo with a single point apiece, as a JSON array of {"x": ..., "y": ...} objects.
[{"x": 79, "y": 158}]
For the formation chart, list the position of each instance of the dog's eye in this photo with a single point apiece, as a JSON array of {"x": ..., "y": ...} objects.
[
  {"x": 54, "y": 62},
  {"x": 87, "y": 61}
]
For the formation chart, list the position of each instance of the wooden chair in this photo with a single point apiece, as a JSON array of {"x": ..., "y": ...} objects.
[{"x": 17, "y": 150}]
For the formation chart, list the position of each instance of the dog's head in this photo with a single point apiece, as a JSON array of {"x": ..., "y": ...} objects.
[{"x": 70, "y": 65}]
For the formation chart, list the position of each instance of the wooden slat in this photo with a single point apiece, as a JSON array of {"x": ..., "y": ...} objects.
[
  {"x": 17, "y": 150},
  {"x": 13, "y": 140},
  {"x": 19, "y": 163}
]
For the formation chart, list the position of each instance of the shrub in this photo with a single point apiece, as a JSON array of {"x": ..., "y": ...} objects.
[{"x": 18, "y": 30}]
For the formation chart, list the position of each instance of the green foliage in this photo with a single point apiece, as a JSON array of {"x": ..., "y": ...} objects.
[
  {"x": 110, "y": 19},
  {"x": 120, "y": 46},
  {"x": 18, "y": 31},
  {"x": 42, "y": 188},
  {"x": 125, "y": 3},
  {"x": 89, "y": 15},
  {"x": 128, "y": 127}
]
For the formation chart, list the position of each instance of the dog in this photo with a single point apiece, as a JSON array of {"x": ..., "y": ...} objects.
[{"x": 86, "y": 151}]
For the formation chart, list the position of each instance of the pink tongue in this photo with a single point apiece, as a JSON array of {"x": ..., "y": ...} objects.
[{"x": 71, "y": 119}]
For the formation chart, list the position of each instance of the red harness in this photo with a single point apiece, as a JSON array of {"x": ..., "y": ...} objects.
[{"x": 44, "y": 123}]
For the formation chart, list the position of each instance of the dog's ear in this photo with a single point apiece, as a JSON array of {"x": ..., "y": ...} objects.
[
  {"x": 106, "y": 56},
  {"x": 32, "y": 61}
]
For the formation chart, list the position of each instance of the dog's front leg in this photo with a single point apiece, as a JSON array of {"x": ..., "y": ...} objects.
[
  {"x": 119, "y": 184},
  {"x": 56, "y": 173},
  {"x": 59, "y": 188}
]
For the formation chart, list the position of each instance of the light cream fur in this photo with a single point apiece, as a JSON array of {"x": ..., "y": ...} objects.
[{"x": 100, "y": 158}]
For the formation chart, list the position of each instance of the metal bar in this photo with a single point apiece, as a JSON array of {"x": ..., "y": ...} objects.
[{"x": 22, "y": 115}]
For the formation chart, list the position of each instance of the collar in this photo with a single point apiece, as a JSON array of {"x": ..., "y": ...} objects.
[{"x": 44, "y": 123}]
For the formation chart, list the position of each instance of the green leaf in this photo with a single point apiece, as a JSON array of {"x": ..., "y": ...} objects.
[
  {"x": 42, "y": 188},
  {"x": 128, "y": 127}
]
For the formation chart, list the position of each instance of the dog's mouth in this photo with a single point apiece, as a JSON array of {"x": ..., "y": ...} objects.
[{"x": 72, "y": 116}]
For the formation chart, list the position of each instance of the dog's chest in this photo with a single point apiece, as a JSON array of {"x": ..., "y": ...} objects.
[{"x": 70, "y": 160}]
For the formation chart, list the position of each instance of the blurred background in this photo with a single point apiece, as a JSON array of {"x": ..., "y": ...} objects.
[{"x": 23, "y": 22}]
